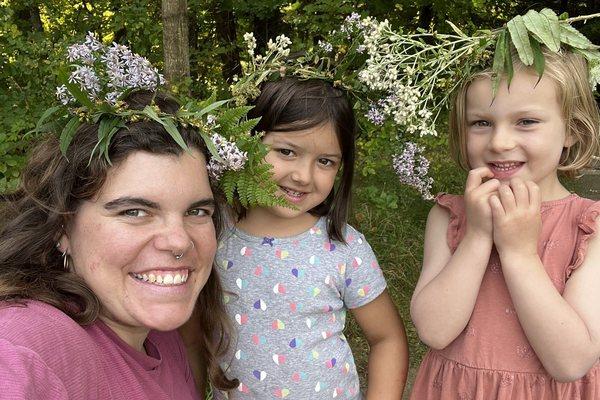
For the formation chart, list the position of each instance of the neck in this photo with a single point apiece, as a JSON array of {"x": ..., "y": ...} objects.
[
  {"x": 133, "y": 336},
  {"x": 260, "y": 222},
  {"x": 552, "y": 190}
]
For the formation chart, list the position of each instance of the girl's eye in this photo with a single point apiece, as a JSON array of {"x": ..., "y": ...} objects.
[
  {"x": 528, "y": 122},
  {"x": 199, "y": 212},
  {"x": 285, "y": 152},
  {"x": 326, "y": 162},
  {"x": 134, "y": 212},
  {"x": 480, "y": 123}
]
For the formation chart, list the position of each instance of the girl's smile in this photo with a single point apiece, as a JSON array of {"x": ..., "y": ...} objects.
[
  {"x": 305, "y": 164},
  {"x": 520, "y": 132}
]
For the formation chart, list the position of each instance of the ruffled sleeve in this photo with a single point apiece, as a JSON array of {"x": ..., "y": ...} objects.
[
  {"x": 455, "y": 205},
  {"x": 587, "y": 227}
]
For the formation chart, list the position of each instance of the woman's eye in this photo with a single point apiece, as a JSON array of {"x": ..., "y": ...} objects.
[
  {"x": 198, "y": 212},
  {"x": 134, "y": 212}
]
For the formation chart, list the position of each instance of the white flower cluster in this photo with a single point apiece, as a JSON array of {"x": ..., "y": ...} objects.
[
  {"x": 406, "y": 102},
  {"x": 326, "y": 46},
  {"x": 250, "y": 42},
  {"x": 412, "y": 169},
  {"x": 233, "y": 158},
  {"x": 280, "y": 45},
  {"x": 116, "y": 65}
]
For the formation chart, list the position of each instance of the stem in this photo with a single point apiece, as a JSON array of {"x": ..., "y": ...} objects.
[{"x": 581, "y": 18}]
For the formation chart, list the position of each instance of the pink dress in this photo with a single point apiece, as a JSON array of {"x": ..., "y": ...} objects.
[{"x": 492, "y": 358}]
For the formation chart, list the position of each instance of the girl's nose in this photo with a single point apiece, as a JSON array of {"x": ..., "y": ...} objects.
[
  {"x": 502, "y": 140},
  {"x": 301, "y": 173}
]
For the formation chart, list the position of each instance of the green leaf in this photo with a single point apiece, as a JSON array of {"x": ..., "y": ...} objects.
[
  {"x": 75, "y": 90},
  {"x": 47, "y": 115},
  {"x": 545, "y": 26},
  {"x": 174, "y": 132},
  {"x": 212, "y": 107},
  {"x": 67, "y": 134},
  {"x": 574, "y": 38},
  {"x": 520, "y": 39},
  {"x": 538, "y": 58},
  {"x": 455, "y": 29},
  {"x": 211, "y": 147},
  {"x": 499, "y": 57},
  {"x": 508, "y": 64},
  {"x": 168, "y": 124}
]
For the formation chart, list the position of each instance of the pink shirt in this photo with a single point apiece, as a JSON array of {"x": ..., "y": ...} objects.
[{"x": 46, "y": 355}]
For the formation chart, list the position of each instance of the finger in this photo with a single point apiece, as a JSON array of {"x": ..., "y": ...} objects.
[
  {"x": 476, "y": 176},
  {"x": 489, "y": 186},
  {"x": 520, "y": 191},
  {"x": 496, "y": 207},
  {"x": 535, "y": 196},
  {"x": 507, "y": 198}
]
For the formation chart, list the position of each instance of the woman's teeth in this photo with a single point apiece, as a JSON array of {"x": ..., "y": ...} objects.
[{"x": 163, "y": 279}]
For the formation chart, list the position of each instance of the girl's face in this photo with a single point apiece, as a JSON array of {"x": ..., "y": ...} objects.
[
  {"x": 519, "y": 133},
  {"x": 123, "y": 242},
  {"x": 305, "y": 164}
]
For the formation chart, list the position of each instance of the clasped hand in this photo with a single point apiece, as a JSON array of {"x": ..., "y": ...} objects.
[{"x": 508, "y": 214}]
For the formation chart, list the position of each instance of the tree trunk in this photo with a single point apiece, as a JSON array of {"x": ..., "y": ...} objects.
[
  {"x": 175, "y": 41},
  {"x": 225, "y": 28},
  {"x": 28, "y": 18}
]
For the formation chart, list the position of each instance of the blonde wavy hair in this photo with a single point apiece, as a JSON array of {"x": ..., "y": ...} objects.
[{"x": 569, "y": 71}]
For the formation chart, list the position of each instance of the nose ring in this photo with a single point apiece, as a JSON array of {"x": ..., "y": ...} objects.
[{"x": 178, "y": 256}]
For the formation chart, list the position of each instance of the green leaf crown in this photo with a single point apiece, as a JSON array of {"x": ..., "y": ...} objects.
[
  {"x": 93, "y": 90},
  {"x": 405, "y": 79}
]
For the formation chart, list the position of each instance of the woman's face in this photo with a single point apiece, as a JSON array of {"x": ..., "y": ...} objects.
[{"x": 145, "y": 244}]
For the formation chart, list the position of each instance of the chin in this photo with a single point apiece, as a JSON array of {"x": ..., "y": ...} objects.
[{"x": 169, "y": 319}]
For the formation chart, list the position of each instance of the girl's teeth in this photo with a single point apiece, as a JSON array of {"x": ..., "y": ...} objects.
[
  {"x": 506, "y": 166},
  {"x": 163, "y": 280}
]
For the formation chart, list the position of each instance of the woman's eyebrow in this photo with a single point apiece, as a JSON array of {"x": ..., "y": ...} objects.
[
  {"x": 130, "y": 201},
  {"x": 208, "y": 202}
]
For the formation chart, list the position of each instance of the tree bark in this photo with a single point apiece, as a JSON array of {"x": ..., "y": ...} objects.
[
  {"x": 225, "y": 29},
  {"x": 175, "y": 41}
]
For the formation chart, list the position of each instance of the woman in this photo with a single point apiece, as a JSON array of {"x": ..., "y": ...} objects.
[{"x": 101, "y": 261}]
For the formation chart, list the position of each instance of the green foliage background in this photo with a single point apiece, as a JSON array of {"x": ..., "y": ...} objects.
[{"x": 34, "y": 35}]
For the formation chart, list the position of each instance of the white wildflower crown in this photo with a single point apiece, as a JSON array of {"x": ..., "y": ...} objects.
[
  {"x": 100, "y": 77},
  {"x": 406, "y": 79}
]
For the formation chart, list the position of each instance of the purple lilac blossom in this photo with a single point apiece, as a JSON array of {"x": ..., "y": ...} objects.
[
  {"x": 233, "y": 158},
  {"x": 412, "y": 168},
  {"x": 375, "y": 116}
]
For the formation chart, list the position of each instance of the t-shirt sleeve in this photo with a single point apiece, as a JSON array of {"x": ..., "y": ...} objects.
[
  {"x": 25, "y": 376},
  {"x": 363, "y": 279}
]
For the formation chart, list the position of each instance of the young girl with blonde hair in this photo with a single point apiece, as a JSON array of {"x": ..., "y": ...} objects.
[{"x": 509, "y": 291}]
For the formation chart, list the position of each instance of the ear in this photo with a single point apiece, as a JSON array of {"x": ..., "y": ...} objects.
[
  {"x": 570, "y": 140},
  {"x": 63, "y": 244}
]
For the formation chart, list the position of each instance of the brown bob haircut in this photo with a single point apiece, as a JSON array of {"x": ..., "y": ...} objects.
[
  {"x": 292, "y": 104},
  {"x": 52, "y": 188},
  {"x": 569, "y": 72}
]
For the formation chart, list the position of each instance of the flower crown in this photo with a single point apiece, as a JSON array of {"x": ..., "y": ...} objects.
[
  {"x": 101, "y": 77},
  {"x": 405, "y": 79}
]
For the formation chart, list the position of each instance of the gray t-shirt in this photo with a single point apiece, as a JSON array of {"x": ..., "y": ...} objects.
[{"x": 287, "y": 298}]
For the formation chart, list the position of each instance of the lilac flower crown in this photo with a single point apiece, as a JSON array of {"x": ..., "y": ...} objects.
[
  {"x": 405, "y": 79},
  {"x": 101, "y": 76}
]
